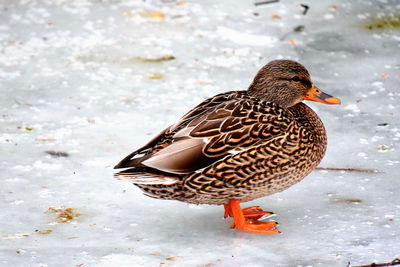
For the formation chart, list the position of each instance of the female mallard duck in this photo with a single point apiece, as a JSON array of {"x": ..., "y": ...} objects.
[{"x": 237, "y": 146}]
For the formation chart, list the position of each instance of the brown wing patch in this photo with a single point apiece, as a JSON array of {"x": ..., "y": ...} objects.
[{"x": 245, "y": 122}]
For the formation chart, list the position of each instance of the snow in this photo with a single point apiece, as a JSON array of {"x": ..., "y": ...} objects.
[
  {"x": 74, "y": 78},
  {"x": 245, "y": 39}
]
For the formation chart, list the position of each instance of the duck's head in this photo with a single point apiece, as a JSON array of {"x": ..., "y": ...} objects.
[{"x": 287, "y": 83}]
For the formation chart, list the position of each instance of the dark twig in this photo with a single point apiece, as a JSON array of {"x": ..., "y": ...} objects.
[
  {"x": 265, "y": 2},
  {"x": 388, "y": 264},
  {"x": 348, "y": 169},
  {"x": 57, "y": 153},
  {"x": 306, "y": 7}
]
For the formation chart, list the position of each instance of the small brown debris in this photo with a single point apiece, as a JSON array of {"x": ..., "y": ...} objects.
[
  {"x": 172, "y": 258},
  {"x": 25, "y": 128},
  {"x": 153, "y": 14},
  {"x": 45, "y": 139},
  {"x": 383, "y": 148},
  {"x": 382, "y": 23},
  {"x": 57, "y": 153},
  {"x": 12, "y": 236},
  {"x": 201, "y": 82},
  {"x": 266, "y": 2},
  {"x": 213, "y": 263},
  {"x": 275, "y": 16},
  {"x": 44, "y": 232},
  {"x": 157, "y": 14},
  {"x": 298, "y": 28},
  {"x": 154, "y": 76},
  {"x": 388, "y": 264},
  {"x": 384, "y": 75},
  {"x": 306, "y": 8},
  {"x": 293, "y": 42},
  {"x": 152, "y": 60},
  {"x": 180, "y": 3},
  {"x": 346, "y": 200},
  {"x": 64, "y": 215},
  {"x": 154, "y": 253}
]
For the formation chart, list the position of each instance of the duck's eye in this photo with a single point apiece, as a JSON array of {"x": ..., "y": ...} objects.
[{"x": 307, "y": 83}]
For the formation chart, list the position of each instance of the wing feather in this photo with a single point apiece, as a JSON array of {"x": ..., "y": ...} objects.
[{"x": 180, "y": 157}]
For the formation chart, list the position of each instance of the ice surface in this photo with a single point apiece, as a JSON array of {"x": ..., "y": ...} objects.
[{"x": 79, "y": 77}]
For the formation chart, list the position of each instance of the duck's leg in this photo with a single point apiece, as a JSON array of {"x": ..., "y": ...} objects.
[{"x": 247, "y": 219}]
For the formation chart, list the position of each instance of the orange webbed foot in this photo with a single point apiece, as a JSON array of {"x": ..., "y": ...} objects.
[
  {"x": 247, "y": 219},
  {"x": 254, "y": 226}
]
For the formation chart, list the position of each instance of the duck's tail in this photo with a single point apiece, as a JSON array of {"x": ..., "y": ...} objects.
[{"x": 147, "y": 176}]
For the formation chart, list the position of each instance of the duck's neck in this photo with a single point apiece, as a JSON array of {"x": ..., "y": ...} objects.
[{"x": 308, "y": 119}]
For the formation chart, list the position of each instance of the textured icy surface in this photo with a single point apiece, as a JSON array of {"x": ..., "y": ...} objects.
[{"x": 73, "y": 79}]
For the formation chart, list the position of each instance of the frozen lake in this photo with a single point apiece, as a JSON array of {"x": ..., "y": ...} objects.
[{"x": 85, "y": 83}]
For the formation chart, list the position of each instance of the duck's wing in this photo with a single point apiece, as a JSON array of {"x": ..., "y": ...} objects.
[
  {"x": 202, "y": 137},
  {"x": 165, "y": 137}
]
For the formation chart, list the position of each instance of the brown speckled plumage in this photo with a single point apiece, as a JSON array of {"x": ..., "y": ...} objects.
[{"x": 236, "y": 145}]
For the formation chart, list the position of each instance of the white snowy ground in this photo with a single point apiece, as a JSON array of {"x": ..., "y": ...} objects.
[{"x": 75, "y": 78}]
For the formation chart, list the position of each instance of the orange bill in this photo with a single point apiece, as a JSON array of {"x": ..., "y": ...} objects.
[{"x": 317, "y": 95}]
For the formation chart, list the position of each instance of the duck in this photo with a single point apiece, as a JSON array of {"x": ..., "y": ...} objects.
[{"x": 237, "y": 146}]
